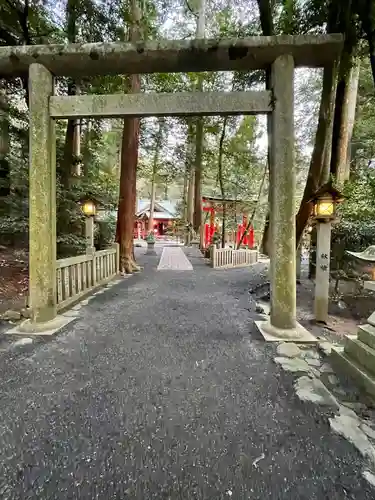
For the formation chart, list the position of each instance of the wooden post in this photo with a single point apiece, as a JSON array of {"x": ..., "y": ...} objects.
[
  {"x": 213, "y": 255},
  {"x": 282, "y": 197},
  {"x": 116, "y": 246},
  {"x": 42, "y": 217}
]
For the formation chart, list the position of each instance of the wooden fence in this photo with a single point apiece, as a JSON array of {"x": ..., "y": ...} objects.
[
  {"x": 227, "y": 257},
  {"x": 78, "y": 276}
]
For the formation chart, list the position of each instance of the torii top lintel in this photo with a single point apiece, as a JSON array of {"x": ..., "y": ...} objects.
[{"x": 170, "y": 56}]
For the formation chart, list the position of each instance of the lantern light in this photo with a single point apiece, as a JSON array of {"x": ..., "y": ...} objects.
[
  {"x": 324, "y": 207},
  {"x": 325, "y": 203},
  {"x": 89, "y": 208}
]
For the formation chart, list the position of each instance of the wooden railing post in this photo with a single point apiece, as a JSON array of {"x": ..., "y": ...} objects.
[
  {"x": 213, "y": 256},
  {"x": 93, "y": 269},
  {"x": 116, "y": 246}
]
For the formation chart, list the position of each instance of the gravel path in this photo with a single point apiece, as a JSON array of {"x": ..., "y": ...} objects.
[{"x": 162, "y": 389}]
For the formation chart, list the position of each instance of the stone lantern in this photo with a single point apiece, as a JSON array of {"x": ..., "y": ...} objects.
[
  {"x": 88, "y": 207},
  {"x": 325, "y": 202}
]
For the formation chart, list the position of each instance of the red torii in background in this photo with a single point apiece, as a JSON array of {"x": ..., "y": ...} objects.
[{"x": 214, "y": 205}]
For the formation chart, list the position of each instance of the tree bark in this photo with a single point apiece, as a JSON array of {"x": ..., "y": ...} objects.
[
  {"x": 268, "y": 29},
  {"x": 366, "y": 12},
  {"x": 72, "y": 136},
  {"x": 4, "y": 147},
  {"x": 76, "y": 167},
  {"x": 345, "y": 72},
  {"x": 199, "y": 138},
  {"x": 346, "y": 99},
  {"x": 150, "y": 225},
  {"x": 185, "y": 194},
  {"x": 190, "y": 201},
  {"x": 129, "y": 162},
  {"x": 221, "y": 179},
  {"x": 158, "y": 143},
  {"x": 319, "y": 164},
  {"x": 87, "y": 156}
]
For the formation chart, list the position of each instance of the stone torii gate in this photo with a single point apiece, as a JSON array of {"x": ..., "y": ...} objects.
[{"x": 281, "y": 53}]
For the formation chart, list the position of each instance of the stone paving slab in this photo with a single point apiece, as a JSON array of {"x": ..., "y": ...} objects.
[{"x": 173, "y": 258}]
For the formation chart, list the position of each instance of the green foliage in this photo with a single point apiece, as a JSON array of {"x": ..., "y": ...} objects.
[
  {"x": 243, "y": 161},
  {"x": 105, "y": 231},
  {"x": 356, "y": 229}
]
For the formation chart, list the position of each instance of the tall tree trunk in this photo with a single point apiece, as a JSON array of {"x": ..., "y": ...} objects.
[
  {"x": 129, "y": 162},
  {"x": 150, "y": 225},
  {"x": 319, "y": 164},
  {"x": 268, "y": 29},
  {"x": 185, "y": 193},
  {"x": 190, "y": 202},
  {"x": 221, "y": 178},
  {"x": 158, "y": 143},
  {"x": 4, "y": 147},
  {"x": 352, "y": 107},
  {"x": 366, "y": 12},
  {"x": 197, "y": 218},
  {"x": 87, "y": 157},
  {"x": 77, "y": 164},
  {"x": 346, "y": 99},
  {"x": 326, "y": 152},
  {"x": 69, "y": 162},
  {"x": 345, "y": 73},
  {"x": 199, "y": 138}
]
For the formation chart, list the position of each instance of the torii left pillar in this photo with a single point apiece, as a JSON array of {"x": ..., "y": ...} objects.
[{"x": 42, "y": 208}]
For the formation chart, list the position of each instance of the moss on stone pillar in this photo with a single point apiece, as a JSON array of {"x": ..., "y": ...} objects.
[
  {"x": 282, "y": 197},
  {"x": 42, "y": 217}
]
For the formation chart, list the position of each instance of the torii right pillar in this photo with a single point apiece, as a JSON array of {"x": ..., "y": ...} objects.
[
  {"x": 282, "y": 324},
  {"x": 282, "y": 197}
]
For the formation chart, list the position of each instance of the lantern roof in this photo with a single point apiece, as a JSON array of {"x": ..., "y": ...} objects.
[
  {"x": 94, "y": 199},
  {"x": 328, "y": 188}
]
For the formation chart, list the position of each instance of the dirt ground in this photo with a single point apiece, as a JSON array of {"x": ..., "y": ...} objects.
[
  {"x": 345, "y": 313},
  {"x": 13, "y": 278}
]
